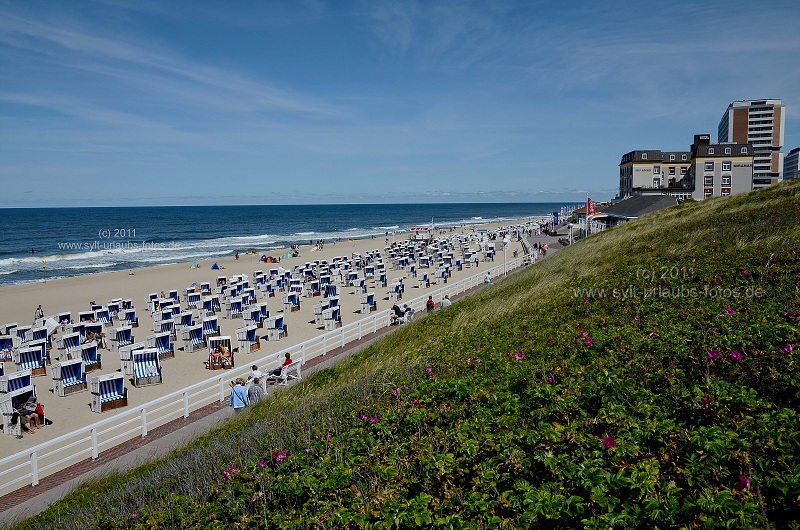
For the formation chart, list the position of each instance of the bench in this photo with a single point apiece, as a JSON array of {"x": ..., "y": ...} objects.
[{"x": 290, "y": 371}]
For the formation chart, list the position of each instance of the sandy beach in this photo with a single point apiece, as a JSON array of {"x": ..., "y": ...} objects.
[{"x": 75, "y": 294}]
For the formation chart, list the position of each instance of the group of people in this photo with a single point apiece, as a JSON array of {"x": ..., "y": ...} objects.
[
  {"x": 244, "y": 393},
  {"x": 220, "y": 356}
]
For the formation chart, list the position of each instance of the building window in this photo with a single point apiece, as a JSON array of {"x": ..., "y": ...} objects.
[
  {"x": 683, "y": 157},
  {"x": 709, "y": 181},
  {"x": 710, "y": 150},
  {"x": 727, "y": 150},
  {"x": 672, "y": 157},
  {"x": 644, "y": 156},
  {"x": 744, "y": 150},
  {"x": 707, "y": 194},
  {"x": 726, "y": 180},
  {"x": 683, "y": 171},
  {"x": 656, "y": 170},
  {"x": 672, "y": 170},
  {"x": 709, "y": 165},
  {"x": 726, "y": 192},
  {"x": 656, "y": 183},
  {"x": 726, "y": 166}
]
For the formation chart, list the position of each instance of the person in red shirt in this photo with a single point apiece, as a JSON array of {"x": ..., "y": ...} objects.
[{"x": 277, "y": 371}]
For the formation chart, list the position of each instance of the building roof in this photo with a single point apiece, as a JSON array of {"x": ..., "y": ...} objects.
[{"x": 634, "y": 207}]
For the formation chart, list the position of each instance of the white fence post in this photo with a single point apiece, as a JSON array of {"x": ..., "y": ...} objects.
[
  {"x": 186, "y": 404},
  {"x": 34, "y": 469},
  {"x": 95, "y": 449},
  {"x": 144, "y": 422}
]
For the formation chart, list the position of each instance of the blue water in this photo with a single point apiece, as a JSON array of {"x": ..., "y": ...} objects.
[{"x": 75, "y": 241}]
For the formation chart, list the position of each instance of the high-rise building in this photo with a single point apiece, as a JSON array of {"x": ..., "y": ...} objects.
[
  {"x": 791, "y": 165},
  {"x": 759, "y": 122}
]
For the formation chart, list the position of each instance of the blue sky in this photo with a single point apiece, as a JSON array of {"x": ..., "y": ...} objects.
[{"x": 194, "y": 102}]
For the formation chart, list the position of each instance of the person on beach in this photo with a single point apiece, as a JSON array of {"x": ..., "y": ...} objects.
[
  {"x": 275, "y": 372},
  {"x": 39, "y": 313},
  {"x": 238, "y": 395}
]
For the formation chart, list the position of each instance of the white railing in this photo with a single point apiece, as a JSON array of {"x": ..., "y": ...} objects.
[{"x": 28, "y": 467}]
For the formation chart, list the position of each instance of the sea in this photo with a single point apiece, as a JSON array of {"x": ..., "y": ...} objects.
[{"x": 39, "y": 244}]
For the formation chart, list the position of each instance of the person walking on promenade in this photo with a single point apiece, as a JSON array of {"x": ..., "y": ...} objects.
[{"x": 488, "y": 279}]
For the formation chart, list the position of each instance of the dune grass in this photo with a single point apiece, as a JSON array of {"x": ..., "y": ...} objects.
[{"x": 644, "y": 377}]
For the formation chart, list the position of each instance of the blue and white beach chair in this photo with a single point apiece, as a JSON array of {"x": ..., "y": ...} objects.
[
  {"x": 210, "y": 327},
  {"x": 31, "y": 359},
  {"x": 368, "y": 303},
  {"x": 121, "y": 337},
  {"x": 215, "y": 361},
  {"x": 234, "y": 308},
  {"x": 146, "y": 368},
  {"x": 102, "y": 316},
  {"x": 114, "y": 306},
  {"x": 91, "y": 358},
  {"x": 23, "y": 333},
  {"x": 205, "y": 288},
  {"x": 126, "y": 356},
  {"x": 318, "y": 311},
  {"x": 128, "y": 317},
  {"x": 162, "y": 344},
  {"x": 68, "y": 346},
  {"x": 333, "y": 318},
  {"x": 108, "y": 392},
  {"x": 252, "y": 316},
  {"x": 193, "y": 299},
  {"x": 14, "y": 381},
  {"x": 291, "y": 302},
  {"x": 248, "y": 339},
  {"x": 193, "y": 338},
  {"x": 68, "y": 377},
  {"x": 8, "y": 406}
]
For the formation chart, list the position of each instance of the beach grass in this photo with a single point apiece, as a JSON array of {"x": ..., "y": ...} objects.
[{"x": 643, "y": 377}]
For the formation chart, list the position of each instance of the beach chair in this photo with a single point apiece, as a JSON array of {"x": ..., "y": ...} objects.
[
  {"x": 275, "y": 327},
  {"x": 33, "y": 360},
  {"x": 108, "y": 392},
  {"x": 234, "y": 308},
  {"x": 39, "y": 333},
  {"x": 313, "y": 289},
  {"x": 64, "y": 318},
  {"x": 162, "y": 343},
  {"x": 291, "y": 302},
  {"x": 193, "y": 338},
  {"x": 216, "y": 361},
  {"x": 102, "y": 316},
  {"x": 126, "y": 356},
  {"x": 13, "y": 381},
  {"x": 193, "y": 299},
  {"x": 2, "y": 368},
  {"x": 114, "y": 306},
  {"x": 8, "y": 343},
  {"x": 368, "y": 303},
  {"x": 248, "y": 339},
  {"x": 333, "y": 318},
  {"x": 42, "y": 345},
  {"x": 8, "y": 407},
  {"x": 423, "y": 282},
  {"x": 290, "y": 371},
  {"x": 23, "y": 333},
  {"x": 252, "y": 316},
  {"x": 205, "y": 288},
  {"x": 183, "y": 320},
  {"x": 174, "y": 295},
  {"x": 68, "y": 377},
  {"x": 166, "y": 326},
  {"x": 424, "y": 262},
  {"x": 128, "y": 317},
  {"x": 352, "y": 278},
  {"x": 91, "y": 358},
  {"x": 8, "y": 329},
  {"x": 381, "y": 281},
  {"x": 210, "y": 328},
  {"x": 369, "y": 271},
  {"x": 331, "y": 290},
  {"x": 361, "y": 286},
  {"x": 318, "y": 311},
  {"x": 263, "y": 314},
  {"x": 121, "y": 337},
  {"x": 395, "y": 293},
  {"x": 146, "y": 368}
]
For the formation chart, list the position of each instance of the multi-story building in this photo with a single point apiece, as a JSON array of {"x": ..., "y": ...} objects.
[
  {"x": 760, "y": 123},
  {"x": 720, "y": 169},
  {"x": 791, "y": 169},
  {"x": 706, "y": 170},
  {"x": 654, "y": 172}
]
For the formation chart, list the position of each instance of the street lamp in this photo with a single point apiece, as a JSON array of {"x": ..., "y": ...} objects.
[
  {"x": 506, "y": 241},
  {"x": 570, "y": 233}
]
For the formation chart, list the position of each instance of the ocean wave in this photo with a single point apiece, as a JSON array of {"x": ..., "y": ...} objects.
[{"x": 5, "y": 273}]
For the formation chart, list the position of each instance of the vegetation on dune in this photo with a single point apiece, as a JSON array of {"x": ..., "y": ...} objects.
[{"x": 645, "y": 377}]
